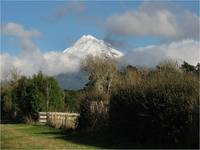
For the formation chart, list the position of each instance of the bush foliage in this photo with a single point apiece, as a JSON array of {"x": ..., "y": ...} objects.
[
  {"x": 72, "y": 100},
  {"x": 95, "y": 97},
  {"x": 158, "y": 107}
]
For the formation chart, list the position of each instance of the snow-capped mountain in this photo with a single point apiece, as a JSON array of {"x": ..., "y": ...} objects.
[
  {"x": 86, "y": 45},
  {"x": 89, "y": 45}
]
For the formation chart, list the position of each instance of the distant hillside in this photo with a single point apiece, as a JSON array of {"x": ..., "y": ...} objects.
[{"x": 73, "y": 81}]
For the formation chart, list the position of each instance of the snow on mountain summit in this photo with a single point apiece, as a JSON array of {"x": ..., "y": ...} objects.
[{"x": 89, "y": 45}]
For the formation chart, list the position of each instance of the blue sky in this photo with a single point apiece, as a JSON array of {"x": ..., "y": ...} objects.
[
  {"x": 34, "y": 33},
  {"x": 60, "y": 33},
  {"x": 56, "y": 34}
]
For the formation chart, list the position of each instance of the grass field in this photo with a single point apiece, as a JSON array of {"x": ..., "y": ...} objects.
[{"x": 22, "y": 136}]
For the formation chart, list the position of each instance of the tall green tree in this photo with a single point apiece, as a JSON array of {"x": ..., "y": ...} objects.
[{"x": 31, "y": 95}]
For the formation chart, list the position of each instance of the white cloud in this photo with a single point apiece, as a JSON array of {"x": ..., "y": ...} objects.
[
  {"x": 25, "y": 36},
  {"x": 184, "y": 50},
  {"x": 59, "y": 62},
  {"x": 153, "y": 19},
  {"x": 19, "y": 31},
  {"x": 31, "y": 60},
  {"x": 161, "y": 23},
  {"x": 51, "y": 63},
  {"x": 73, "y": 8}
]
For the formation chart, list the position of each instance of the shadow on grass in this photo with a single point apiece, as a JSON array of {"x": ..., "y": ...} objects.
[
  {"x": 102, "y": 140},
  {"x": 105, "y": 140}
]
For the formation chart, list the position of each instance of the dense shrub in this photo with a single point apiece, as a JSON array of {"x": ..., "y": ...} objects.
[
  {"x": 7, "y": 106},
  {"x": 95, "y": 97},
  {"x": 72, "y": 100},
  {"x": 157, "y": 108},
  {"x": 93, "y": 112}
]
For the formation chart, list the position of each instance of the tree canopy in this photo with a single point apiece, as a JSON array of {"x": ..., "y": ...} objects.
[{"x": 23, "y": 99}]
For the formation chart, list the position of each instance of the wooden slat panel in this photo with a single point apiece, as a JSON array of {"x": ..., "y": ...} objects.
[
  {"x": 41, "y": 117},
  {"x": 42, "y": 113},
  {"x": 59, "y": 119},
  {"x": 42, "y": 121}
]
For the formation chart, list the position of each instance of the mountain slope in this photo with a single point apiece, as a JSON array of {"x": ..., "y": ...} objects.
[
  {"x": 72, "y": 81},
  {"x": 89, "y": 45}
]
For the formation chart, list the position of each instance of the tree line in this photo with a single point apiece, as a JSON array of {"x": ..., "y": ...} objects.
[{"x": 23, "y": 98}]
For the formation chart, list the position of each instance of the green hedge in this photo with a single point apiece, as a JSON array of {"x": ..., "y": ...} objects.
[{"x": 157, "y": 109}]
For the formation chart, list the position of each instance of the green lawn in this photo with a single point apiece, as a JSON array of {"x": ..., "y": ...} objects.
[{"x": 21, "y": 136}]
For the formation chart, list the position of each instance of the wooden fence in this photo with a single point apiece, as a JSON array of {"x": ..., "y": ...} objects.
[{"x": 59, "y": 120}]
